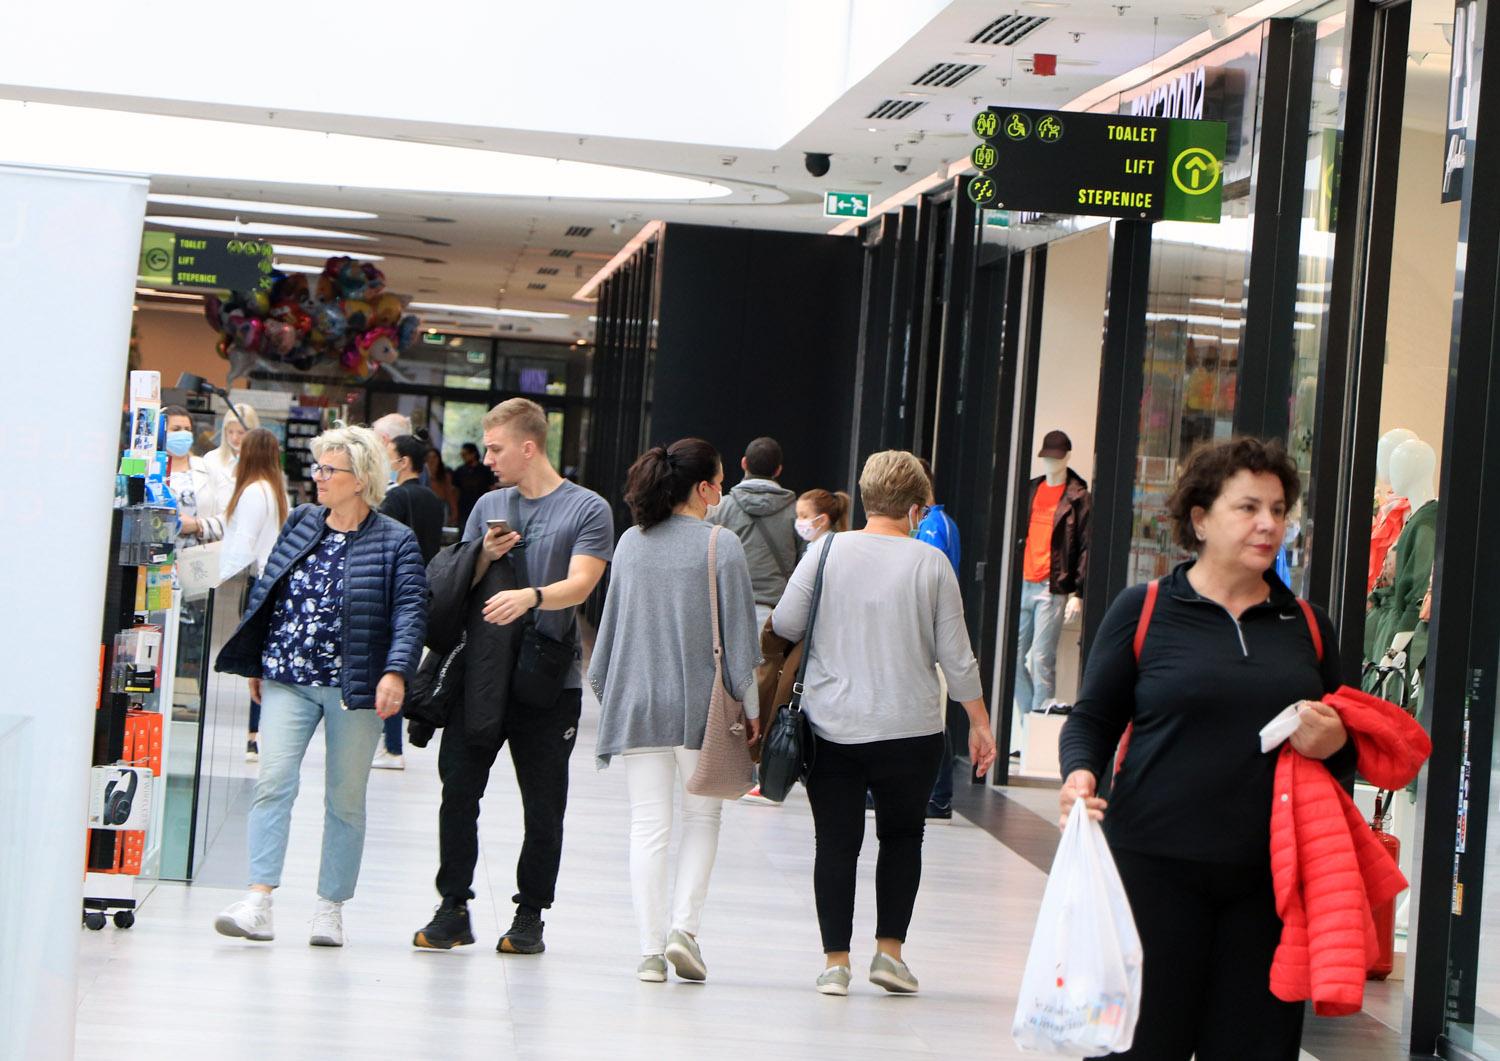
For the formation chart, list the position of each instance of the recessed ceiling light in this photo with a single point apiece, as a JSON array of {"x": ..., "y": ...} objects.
[
  {"x": 248, "y": 228},
  {"x": 323, "y": 252},
  {"x": 1045, "y": 5},
  {"x": 246, "y": 206},
  {"x": 298, "y": 267},
  {"x": 485, "y": 311},
  {"x": 156, "y": 144},
  {"x": 873, "y": 129}
]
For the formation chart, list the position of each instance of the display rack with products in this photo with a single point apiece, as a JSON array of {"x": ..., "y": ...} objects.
[{"x": 137, "y": 647}]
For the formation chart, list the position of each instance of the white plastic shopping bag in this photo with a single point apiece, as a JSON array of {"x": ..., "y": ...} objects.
[{"x": 1081, "y": 992}]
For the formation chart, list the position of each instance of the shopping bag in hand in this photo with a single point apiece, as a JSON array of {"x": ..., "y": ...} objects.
[{"x": 1081, "y": 992}]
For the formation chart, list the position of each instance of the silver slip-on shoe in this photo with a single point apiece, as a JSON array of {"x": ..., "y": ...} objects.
[
  {"x": 834, "y": 981},
  {"x": 652, "y": 970},
  {"x": 892, "y": 975},
  {"x": 686, "y": 958}
]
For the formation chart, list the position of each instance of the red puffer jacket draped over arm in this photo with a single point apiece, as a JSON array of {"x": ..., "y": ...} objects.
[{"x": 1328, "y": 869}]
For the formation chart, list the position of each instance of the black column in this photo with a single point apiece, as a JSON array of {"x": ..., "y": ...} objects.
[
  {"x": 1268, "y": 353},
  {"x": 1461, "y": 689},
  {"x": 1117, "y": 433}
]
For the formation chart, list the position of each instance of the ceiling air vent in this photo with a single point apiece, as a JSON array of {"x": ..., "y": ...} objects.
[
  {"x": 533, "y": 286},
  {"x": 1008, "y": 30},
  {"x": 895, "y": 110},
  {"x": 562, "y": 252},
  {"x": 580, "y": 231},
  {"x": 946, "y": 75},
  {"x": 548, "y": 270}
]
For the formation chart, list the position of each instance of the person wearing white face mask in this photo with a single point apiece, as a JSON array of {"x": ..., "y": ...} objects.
[
  {"x": 232, "y": 429},
  {"x": 200, "y": 504},
  {"x": 819, "y": 511}
]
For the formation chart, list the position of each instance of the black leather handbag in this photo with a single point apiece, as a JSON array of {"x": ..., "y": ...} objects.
[
  {"x": 543, "y": 662},
  {"x": 788, "y": 751}
]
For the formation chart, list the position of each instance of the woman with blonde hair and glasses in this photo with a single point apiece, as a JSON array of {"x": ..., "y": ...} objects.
[
  {"x": 889, "y": 612},
  {"x": 333, "y": 631}
]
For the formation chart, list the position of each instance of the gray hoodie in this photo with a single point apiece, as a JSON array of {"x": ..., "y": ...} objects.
[{"x": 763, "y": 515}]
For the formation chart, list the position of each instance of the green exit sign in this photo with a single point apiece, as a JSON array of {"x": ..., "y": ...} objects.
[{"x": 846, "y": 204}]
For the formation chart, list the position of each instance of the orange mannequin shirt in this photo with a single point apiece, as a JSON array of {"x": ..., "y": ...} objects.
[
  {"x": 1388, "y": 524},
  {"x": 1038, "y": 567}
]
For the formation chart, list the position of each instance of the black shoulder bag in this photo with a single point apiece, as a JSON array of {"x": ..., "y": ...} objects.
[
  {"x": 542, "y": 662},
  {"x": 787, "y": 756}
]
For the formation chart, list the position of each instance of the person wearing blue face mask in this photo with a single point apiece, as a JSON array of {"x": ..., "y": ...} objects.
[{"x": 192, "y": 482}]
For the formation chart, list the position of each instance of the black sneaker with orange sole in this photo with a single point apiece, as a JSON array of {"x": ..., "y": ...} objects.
[
  {"x": 525, "y": 935},
  {"x": 448, "y": 928}
]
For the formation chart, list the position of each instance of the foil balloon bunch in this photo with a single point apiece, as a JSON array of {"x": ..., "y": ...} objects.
[{"x": 344, "y": 317}]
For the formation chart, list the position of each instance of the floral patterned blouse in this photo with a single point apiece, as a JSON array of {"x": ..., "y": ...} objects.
[{"x": 305, "y": 646}]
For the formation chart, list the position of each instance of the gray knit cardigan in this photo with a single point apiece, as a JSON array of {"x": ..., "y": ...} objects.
[{"x": 653, "y": 663}]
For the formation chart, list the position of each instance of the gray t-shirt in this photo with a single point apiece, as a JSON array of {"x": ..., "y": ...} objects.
[
  {"x": 890, "y": 610},
  {"x": 570, "y": 521}
]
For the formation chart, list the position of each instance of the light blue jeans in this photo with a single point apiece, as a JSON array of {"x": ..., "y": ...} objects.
[
  {"x": 1036, "y": 646},
  {"x": 289, "y": 716}
]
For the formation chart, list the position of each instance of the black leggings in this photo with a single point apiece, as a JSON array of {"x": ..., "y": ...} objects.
[
  {"x": 900, "y": 774},
  {"x": 1208, "y": 932}
]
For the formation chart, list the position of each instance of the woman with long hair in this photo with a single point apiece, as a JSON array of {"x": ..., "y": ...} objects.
[
  {"x": 257, "y": 509},
  {"x": 440, "y": 482},
  {"x": 223, "y": 459},
  {"x": 653, "y": 670}
]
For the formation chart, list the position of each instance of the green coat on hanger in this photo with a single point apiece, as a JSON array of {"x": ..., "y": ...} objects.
[{"x": 1398, "y": 608}]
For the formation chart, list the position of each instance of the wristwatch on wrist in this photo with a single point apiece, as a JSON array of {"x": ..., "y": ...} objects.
[{"x": 538, "y": 591}]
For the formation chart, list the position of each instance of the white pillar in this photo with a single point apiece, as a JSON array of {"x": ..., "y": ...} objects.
[{"x": 69, "y": 244}]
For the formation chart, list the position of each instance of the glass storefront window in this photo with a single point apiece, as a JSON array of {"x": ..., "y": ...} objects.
[
  {"x": 440, "y": 360},
  {"x": 1315, "y": 272},
  {"x": 524, "y": 371}
]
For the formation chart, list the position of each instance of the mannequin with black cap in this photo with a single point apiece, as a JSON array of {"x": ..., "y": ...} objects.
[{"x": 1054, "y": 563}]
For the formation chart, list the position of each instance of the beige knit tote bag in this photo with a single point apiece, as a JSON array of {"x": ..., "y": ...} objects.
[{"x": 724, "y": 768}]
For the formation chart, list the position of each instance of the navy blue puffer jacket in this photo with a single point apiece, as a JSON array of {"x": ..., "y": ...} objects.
[{"x": 385, "y": 602}]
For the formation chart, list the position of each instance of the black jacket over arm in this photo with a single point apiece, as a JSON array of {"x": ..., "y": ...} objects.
[
  {"x": 489, "y": 653},
  {"x": 1195, "y": 783}
]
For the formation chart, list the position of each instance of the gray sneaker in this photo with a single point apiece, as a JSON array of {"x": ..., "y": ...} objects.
[
  {"x": 834, "y": 981},
  {"x": 652, "y": 970},
  {"x": 892, "y": 975},
  {"x": 686, "y": 958}
]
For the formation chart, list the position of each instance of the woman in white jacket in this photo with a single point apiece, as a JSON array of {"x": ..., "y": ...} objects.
[
  {"x": 200, "y": 504},
  {"x": 257, "y": 509},
  {"x": 232, "y": 430}
]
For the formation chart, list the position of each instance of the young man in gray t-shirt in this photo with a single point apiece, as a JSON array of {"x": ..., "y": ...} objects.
[{"x": 569, "y": 538}]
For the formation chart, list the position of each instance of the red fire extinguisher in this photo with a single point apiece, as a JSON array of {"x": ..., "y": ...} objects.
[{"x": 1385, "y": 913}]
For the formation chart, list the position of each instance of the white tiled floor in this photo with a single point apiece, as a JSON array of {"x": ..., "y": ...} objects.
[{"x": 171, "y": 982}]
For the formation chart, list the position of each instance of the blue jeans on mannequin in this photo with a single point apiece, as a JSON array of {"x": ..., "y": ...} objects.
[
  {"x": 290, "y": 715},
  {"x": 1036, "y": 645}
]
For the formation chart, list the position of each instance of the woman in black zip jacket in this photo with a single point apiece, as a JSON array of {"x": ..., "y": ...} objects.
[{"x": 1227, "y": 647}]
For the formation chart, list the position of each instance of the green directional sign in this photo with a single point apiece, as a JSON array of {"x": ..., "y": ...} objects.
[
  {"x": 846, "y": 204},
  {"x": 207, "y": 263},
  {"x": 1106, "y": 165}
]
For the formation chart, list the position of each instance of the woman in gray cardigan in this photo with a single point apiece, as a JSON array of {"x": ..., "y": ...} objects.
[{"x": 653, "y": 671}]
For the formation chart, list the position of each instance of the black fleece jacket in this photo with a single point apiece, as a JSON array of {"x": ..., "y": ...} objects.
[{"x": 1195, "y": 784}]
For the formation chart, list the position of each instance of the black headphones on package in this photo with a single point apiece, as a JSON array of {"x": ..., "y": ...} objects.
[{"x": 118, "y": 799}]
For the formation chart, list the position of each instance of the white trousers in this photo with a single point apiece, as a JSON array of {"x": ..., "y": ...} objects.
[{"x": 653, "y": 778}]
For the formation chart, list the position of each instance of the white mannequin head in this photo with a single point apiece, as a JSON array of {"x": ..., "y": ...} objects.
[
  {"x": 1055, "y": 468},
  {"x": 1383, "y": 450},
  {"x": 1056, "y": 448},
  {"x": 1412, "y": 467}
]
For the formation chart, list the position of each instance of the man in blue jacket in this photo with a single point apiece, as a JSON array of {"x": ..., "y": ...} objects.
[{"x": 938, "y": 530}]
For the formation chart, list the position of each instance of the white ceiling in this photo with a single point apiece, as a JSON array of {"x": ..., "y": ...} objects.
[{"x": 489, "y": 251}]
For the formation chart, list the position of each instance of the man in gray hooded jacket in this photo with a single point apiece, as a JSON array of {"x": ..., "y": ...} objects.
[{"x": 763, "y": 515}]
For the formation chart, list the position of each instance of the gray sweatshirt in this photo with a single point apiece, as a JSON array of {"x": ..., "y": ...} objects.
[
  {"x": 763, "y": 514},
  {"x": 653, "y": 662},
  {"x": 890, "y": 610}
]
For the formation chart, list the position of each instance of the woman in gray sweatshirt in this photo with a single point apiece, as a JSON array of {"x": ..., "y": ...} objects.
[
  {"x": 653, "y": 671},
  {"x": 890, "y": 614}
]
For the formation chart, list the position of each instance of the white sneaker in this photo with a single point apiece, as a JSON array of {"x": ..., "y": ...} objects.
[
  {"x": 384, "y": 760},
  {"x": 327, "y": 925},
  {"x": 250, "y": 918}
]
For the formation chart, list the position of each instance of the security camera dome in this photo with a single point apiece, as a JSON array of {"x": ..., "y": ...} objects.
[{"x": 817, "y": 163}]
